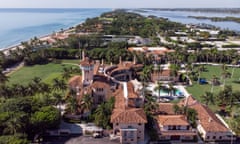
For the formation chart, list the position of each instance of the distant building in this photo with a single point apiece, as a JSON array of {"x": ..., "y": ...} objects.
[
  {"x": 164, "y": 75},
  {"x": 155, "y": 52}
]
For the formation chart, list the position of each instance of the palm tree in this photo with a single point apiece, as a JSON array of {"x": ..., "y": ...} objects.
[
  {"x": 176, "y": 109},
  {"x": 87, "y": 102},
  {"x": 72, "y": 105},
  {"x": 226, "y": 96},
  {"x": 234, "y": 63},
  {"x": 172, "y": 89},
  {"x": 5, "y": 91},
  {"x": 225, "y": 74},
  {"x": 66, "y": 73},
  {"x": 150, "y": 104},
  {"x": 200, "y": 69},
  {"x": 159, "y": 70},
  {"x": 158, "y": 88},
  {"x": 214, "y": 82},
  {"x": 58, "y": 98},
  {"x": 14, "y": 124},
  {"x": 174, "y": 70},
  {"x": 208, "y": 98},
  {"x": 100, "y": 115},
  {"x": 59, "y": 85},
  {"x": 192, "y": 116}
]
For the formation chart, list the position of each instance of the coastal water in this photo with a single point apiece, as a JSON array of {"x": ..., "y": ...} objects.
[
  {"x": 19, "y": 25},
  {"x": 182, "y": 17}
]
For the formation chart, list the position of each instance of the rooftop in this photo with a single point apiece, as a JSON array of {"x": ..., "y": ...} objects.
[
  {"x": 86, "y": 62},
  {"x": 166, "y": 108},
  {"x": 172, "y": 120},
  {"x": 207, "y": 118},
  {"x": 132, "y": 115}
]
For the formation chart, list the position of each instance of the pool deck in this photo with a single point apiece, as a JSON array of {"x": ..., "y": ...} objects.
[{"x": 181, "y": 88}]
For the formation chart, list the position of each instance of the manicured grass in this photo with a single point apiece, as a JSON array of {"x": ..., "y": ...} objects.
[
  {"x": 46, "y": 72},
  {"x": 73, "y": 61},
  {"x": 197, "y": 90},
  {"x": 104, "y": 18}
]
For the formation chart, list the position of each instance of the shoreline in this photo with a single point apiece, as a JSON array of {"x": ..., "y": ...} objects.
[
  {"x": 66, "y": 30},
  {"x": 42, "y": 38}
]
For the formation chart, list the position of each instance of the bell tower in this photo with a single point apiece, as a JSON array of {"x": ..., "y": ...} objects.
[{"x": 87, "y": 67}]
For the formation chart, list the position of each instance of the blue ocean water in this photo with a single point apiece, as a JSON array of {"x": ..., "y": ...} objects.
[
  {"x": 19, "y": 25},
  {"x": 182, "y": 17}
]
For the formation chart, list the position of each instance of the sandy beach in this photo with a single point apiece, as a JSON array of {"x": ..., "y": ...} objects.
[{"x": 49, "y": 37}]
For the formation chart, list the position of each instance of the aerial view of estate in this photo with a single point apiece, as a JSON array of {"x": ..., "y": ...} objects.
[{"x": 120, "y": 72}]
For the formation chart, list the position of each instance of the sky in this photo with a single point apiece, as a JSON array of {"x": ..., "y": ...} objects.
[{"x": 120, "y": 4}]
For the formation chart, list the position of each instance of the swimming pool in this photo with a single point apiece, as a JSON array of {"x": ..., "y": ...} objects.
[{"x": 164, "y": 93}]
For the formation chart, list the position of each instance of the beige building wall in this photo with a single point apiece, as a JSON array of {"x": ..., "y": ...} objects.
[
  {"x": 139, "y": 127},
  {"x": 87, "y": 74},
  {"x": 100, "y": 94},
  {"x": 214, "y": 136}
]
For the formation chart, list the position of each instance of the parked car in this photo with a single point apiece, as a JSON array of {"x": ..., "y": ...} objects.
[{"x": 96, "y": 135}]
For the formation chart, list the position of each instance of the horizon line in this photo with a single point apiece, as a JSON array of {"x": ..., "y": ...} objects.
[{"x": 119, "y": 8}]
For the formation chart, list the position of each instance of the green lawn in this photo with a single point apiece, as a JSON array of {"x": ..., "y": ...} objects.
[
  {"x": 46, "y": 72},
  {"x": 197, "y": 90},
  {"x": 104, "y": 18},
  {"x": 74, "y": 61}
]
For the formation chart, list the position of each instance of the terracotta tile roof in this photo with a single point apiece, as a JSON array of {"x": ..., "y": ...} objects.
[
  {"x": 121, "y": 67},
  {"x": 166, "y": 108},
  {"x": 167, "y": 120},
  {"x": 188, "y": 101},
  {"x": 119, "y": 99},
  {"x": 132, "y": 115},
  {"x": 151, "y": 50},
  {"x": 178, "y": 133},
  {"x": 86, "y": 62},
  {"x": 75, "y": 81},
  {"x": 208, "y": 119},
  {"x": 96, "y": 67},
  {"x": 100, "y": 81},
  {"x": 100, "y": 84},
  {"x": 131, "y": 92}
]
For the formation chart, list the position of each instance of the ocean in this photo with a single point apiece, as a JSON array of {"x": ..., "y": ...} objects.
[
  {"x": 19, "y": 25},
  {"x": 182, "y": 17}
]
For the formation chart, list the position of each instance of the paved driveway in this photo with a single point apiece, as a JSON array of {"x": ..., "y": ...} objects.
[
  {"x": 90, "y": 140},
  {"x": 79, "y": 140}
]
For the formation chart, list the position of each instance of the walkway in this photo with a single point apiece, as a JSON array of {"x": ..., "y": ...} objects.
[{"x": 216, "y": 64}]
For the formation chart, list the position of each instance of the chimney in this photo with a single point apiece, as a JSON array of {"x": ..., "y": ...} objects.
[
  {"x": 134, "y": 59},
  {"x": 120, "y": 60},
  {"x": 102, "y": 61},
  {"x": 186, "y": 101},
  {"x": 209, "y": 119},
  {"x": 83, "y": 55}
]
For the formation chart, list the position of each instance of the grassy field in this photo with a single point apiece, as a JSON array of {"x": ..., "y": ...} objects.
[
  {"x": 46, "y": 72},
  {"x": 75, "y": 61},
  {"x": 197, "y": 90}
]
